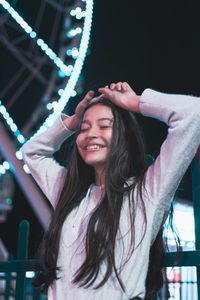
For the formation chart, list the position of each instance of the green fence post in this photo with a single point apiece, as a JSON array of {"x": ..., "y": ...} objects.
[
  {"x": 196, "y": 204},
  {"x": 22, "y": 253},
  {"x": 8, "y": 278},
  {"x": 36, "y": 294},
  {"x": 7, "y": 286}
]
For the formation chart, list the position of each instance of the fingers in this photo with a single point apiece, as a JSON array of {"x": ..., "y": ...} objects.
[
  {"x": 109, "y": 91},
  {"x": 86, "y": 100},
  {"x": 128, "y": 88},
  {"x": 116, "y": 86},
  {"x": 106, "y": 91},
  {"x": 124, "y": 86},
  {"x": 88, "y": 97},
  {"x": 83, "y": 104},
  {"x": 119, "y": 87}
]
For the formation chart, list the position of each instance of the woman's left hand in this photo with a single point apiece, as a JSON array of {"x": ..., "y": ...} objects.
[{"x": 122, "y": 95}]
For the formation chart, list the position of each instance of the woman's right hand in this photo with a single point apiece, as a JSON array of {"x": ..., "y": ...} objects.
[{"x": 72, "y": 122}]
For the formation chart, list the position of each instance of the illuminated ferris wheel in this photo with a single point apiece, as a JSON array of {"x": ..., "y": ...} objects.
[{"x": 43, "y": 46}]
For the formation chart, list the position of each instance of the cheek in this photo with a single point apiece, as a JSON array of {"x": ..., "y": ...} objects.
[
  {"x": 109, "y": 138},
  {"x": 79, "y": 140},
  {"x": 78, "y": 143}
]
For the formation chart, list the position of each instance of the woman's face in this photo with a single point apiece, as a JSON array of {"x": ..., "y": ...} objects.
[{"x": 94, "y": 139}]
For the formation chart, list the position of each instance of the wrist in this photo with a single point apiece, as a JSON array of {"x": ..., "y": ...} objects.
[{"x": 136, "y": 104}]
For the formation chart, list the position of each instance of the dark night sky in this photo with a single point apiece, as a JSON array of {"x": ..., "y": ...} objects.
[{"x": 152, "y": 44}]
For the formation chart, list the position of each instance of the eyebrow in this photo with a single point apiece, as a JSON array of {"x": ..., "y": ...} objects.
[{"x": 101, "y": 119}]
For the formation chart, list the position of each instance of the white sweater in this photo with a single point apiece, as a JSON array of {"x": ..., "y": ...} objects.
[{"x": 182, "y": 115}]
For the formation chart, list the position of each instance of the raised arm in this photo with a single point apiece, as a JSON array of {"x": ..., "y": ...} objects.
[
  {"x": 38, "y": 152},
  {"x": 38, "y": 155},
  {"x": 182, "y": 114}
]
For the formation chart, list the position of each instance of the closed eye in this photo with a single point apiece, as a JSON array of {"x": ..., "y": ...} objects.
[
  {"x": 84, "y": 129},
  {"x": 105, "y": 126}
]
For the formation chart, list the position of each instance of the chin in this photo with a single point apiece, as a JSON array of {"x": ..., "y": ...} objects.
[{"x": 94, "y": 162}]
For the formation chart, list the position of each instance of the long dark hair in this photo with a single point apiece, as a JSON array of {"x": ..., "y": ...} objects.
[{"x": 127, "y": 159}]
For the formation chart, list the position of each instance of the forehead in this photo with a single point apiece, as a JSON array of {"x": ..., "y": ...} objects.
[{"x": 98, "y": 111}]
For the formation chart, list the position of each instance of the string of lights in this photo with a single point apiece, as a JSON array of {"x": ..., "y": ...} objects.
[
  {"x": 72, "y": 71},
  {"x": 13, "y": 127},
  {"x": 33, "y": 35}
]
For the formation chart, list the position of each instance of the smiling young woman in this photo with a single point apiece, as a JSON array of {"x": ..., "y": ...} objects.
[
  {"x": 95, "y": 138},
  {"x": 109, "y": 205}
]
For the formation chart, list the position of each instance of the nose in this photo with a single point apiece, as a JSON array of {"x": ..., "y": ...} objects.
[{"x": 92, "y": 132}]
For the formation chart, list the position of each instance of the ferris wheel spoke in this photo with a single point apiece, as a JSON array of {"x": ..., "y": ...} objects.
[{"x": 62, "y": 68}]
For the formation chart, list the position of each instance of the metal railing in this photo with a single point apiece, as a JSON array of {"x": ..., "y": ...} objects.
[{"x": 13, "y": 272}]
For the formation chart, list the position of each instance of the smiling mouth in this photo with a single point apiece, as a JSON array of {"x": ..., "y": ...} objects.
[{"x": 93, "y": 147}]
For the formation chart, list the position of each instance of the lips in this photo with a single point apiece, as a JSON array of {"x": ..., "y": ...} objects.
[{"x": 93, "y": 147}]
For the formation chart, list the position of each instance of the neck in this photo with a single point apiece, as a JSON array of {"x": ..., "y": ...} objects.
[{"x": 99, "y": 177}]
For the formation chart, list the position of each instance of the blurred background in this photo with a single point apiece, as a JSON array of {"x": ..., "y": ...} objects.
[{"x": 49, "y": 52}]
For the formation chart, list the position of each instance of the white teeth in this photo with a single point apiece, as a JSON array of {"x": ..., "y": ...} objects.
[{"x": 93, "y": 147}]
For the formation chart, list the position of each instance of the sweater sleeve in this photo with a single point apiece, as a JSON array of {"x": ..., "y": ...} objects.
[
  {"x": 182, "y": 115},
  {"x": 38, "y": 155}
]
